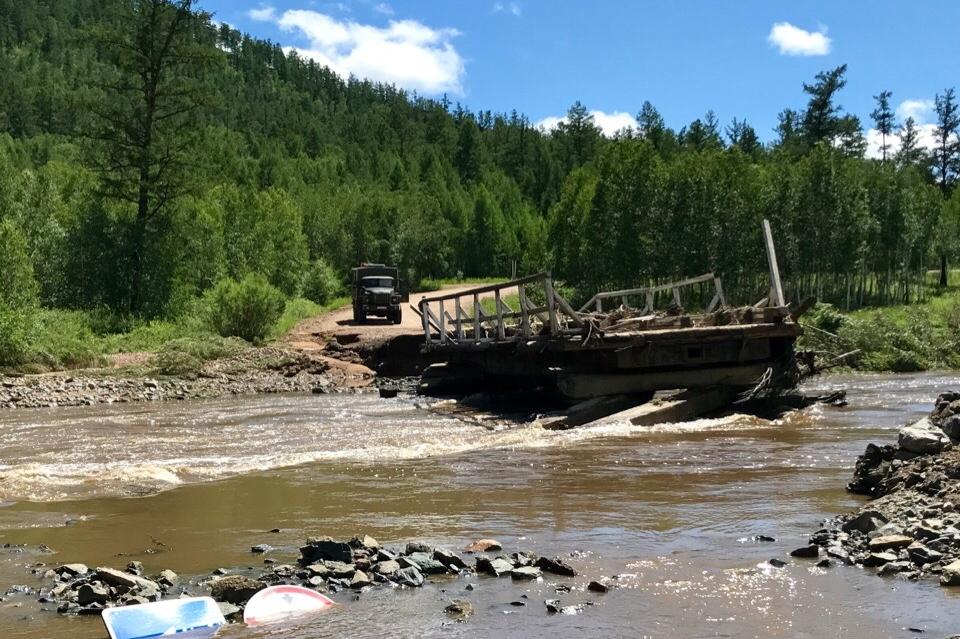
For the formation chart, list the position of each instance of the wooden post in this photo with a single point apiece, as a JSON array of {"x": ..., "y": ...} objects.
[
  {"x": 443, "y": 324},
  {"x": 426, "y": 320},
  {"x": 676, "y": 298},
  {"x": 649, "y": 307},
  {"x": 776, "y": 289},
  {"x": 476, "y": 318},
  {"x": 599, "y": 304},
  {"x": 459, "y": 322},
  {"x": 524, "y": 317},
  {"x": 501, "y": 331},
  {"x": 551, "y": 304}
]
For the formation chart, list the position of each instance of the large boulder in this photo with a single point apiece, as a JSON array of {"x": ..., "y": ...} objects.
[
  {"x": 951, "y": 427},
  {"x": 922, "y": 438},
  {"x": 951, "y": 574},
  {"x": 325, "y": 549},
  {"x": 866, "y": 522},
  {"x": 235, "y": 589}
]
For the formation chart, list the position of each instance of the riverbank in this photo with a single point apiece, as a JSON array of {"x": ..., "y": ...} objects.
[{"x": 911, "y": 527}]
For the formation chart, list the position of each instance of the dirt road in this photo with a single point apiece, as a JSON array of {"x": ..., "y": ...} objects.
[{"x": 314, "y": 333}]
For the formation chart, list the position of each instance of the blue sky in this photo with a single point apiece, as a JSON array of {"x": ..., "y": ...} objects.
[{"x": 744, "y": 59}]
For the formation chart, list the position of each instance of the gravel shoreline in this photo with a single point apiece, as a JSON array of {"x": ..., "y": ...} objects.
[{"x": 256, "y": 370}]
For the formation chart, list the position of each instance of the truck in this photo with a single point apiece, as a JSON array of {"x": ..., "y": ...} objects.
[{"x": 377, "y": 290}]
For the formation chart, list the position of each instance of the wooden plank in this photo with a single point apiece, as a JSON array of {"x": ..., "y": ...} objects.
[
  {"x": 591, "y": 410},
  {"x": 567, "y": 309},
  {"x": 776, "y": 289},
  {"x": 647, "y": 290},
  {"x": 681, "y": 407},
  {"x": 459, "y": 322},
  {"x": 585, "y": 386},
  {"x": 551, "y": 305},
  {"x": 443, "y": 324},
  {"x": 524, "y": 318}
]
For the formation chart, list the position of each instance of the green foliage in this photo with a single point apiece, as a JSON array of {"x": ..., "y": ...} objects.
[
  {"x": 321, "y": 283},
  {"x": 298, "y": 309},
  {"x": 247, "y": 309},
  {"x": 14, "y": 337},
  {"x": 825, "y": 317},
  {"x": 184, "y": 357},
  {"x": 18, "y": 288}
]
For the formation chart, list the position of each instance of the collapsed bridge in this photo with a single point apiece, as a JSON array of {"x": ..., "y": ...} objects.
[{"x": 616, "y": 350}]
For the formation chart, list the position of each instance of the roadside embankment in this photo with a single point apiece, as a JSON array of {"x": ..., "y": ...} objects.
[{"x": 911, "y": 529}]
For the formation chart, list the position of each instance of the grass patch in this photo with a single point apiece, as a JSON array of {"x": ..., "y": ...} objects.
[
  {"x": 430, "y": 284},
  {"x": 299, "y": 309}
]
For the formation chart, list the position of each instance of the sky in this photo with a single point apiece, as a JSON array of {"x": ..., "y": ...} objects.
[{"x": 741, "y": 58}]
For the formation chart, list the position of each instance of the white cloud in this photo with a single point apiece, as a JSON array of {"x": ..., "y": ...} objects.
[
  {"x": 405, "y": 52},
  {"x": 791, "y": 40},
  {"x": 916, "y": 109},
  {"x": 384, "y": 8},
  {"x": 609, "y": 123},
  {"x": 513, "y": 7},
  {"x": 265, "y": 13}
]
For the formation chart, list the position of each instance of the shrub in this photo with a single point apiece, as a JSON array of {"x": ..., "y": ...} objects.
[
  {"x": 247, "y": 309},
  {"x": 825, "y": 317},
  {"x": 321, "y": 284},
  {"x": 14, "y": 336}
]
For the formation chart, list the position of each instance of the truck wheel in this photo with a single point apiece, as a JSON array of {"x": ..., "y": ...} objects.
[
  {"x": 360, "y": 316},
  {"x": 397, "y": 316}
]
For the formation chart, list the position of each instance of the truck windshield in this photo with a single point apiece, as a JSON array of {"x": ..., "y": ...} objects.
[{"x": 377, "y": 282}]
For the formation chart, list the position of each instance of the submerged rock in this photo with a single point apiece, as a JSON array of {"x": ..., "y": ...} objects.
[
  {"x": 459, "y": 609},
  {"x": 484, "y": 545},
  {"x": 806, "y": 552},
  {"x": 555, "y": 566}
]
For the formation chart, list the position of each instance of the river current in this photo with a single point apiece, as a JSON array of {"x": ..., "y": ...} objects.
[{"x": 672, "y": 510}]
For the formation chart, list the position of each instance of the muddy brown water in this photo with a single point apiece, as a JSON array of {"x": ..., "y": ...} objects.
[{"x": 669, "y": 509}]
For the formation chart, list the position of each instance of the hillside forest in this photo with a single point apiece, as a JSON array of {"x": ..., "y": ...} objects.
[{"x": 153, "y": 160}]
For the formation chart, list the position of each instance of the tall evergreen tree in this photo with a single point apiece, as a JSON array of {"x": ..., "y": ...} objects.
[
  {"x": 147, "y": 120},
  {"x": 946, "y": 154},
  {"x": 910, "y": 152},
  {"x": 743, "y": 136},
  {"x": 883, "y": 119},
  {"x": 822, "y": 120}
]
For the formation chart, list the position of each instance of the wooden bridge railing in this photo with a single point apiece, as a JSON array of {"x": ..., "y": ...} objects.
[
  {"x": 648, "y": 294},
  {"x": 459, "y": 318}
]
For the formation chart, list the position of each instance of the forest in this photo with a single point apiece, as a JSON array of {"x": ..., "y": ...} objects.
[{"x": 152, "y": 158}]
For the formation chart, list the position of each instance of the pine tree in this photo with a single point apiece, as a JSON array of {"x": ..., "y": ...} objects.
[
  {"x": 147, "y": 120},
  {"x": 743, "y": 136},
  {"x": 946, "y": 154},
  {"x": 821, "y": 120},
  {"x": 910, "y": 152},
  {"x": 883, "y": 118}
]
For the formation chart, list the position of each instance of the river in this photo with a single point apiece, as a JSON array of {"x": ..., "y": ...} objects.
[{"x": 670, "y": 509}]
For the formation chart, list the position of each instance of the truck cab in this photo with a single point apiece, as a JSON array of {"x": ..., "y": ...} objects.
[{"x": 378, "y": 291}]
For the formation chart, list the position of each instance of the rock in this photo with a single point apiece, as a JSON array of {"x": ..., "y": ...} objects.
[
  {"x": 765, "y": 539},
  {"x": 824, "y": 563},
  {"x": 596, "y": 586},
  {"x": 865, "y": 522},
  {"x": 876, "y": 559},
  {"x": 366, "y": 542},
  {"x": 484, "y": 545},
  {"x": 259, "y": 549},
  {"x": 72, "y": 570},
  {"x": 890, "y": 542},
  {"x": 318, "y": 570},
  {"x": 922, "y": 438},
  {"x": 360, "y": 580},
  {"x": 951, "y": 574},
  {"x": 777, "y": 563},
  {"x": 951, "y": 427},
  {"x": 555, "y": 607},
  {"x": 497, "y": 567},
  {"x": 119, "y": 579},
  {"x": 417, "y": 547},
  {"x": 555, "y": 566},
  {"x": 235, "y": 589},
  {"x": 409, "y": 577},
  {"x": 168, "y": 578},
  {"x": 460, "y": 609},
  {"x": 89, "y": 594},
  {"x": 386, "y": 568},
  {"x": 806, "y": 552},
  {"x": 449, "y": 559},
  {"x": 325, "y": 549},
  {"x": 921, "y": 555},
  {"x": 340, "y": 570},
  {"x": 895, "y": 567},
  {"x": 424, "y": 562},
  {"x": 230, "y": 611},
  {"x": 526, "y": 573}
]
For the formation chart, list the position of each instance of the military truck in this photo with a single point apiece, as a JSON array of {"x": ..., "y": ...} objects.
[{"x": 378, "y": 291}]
